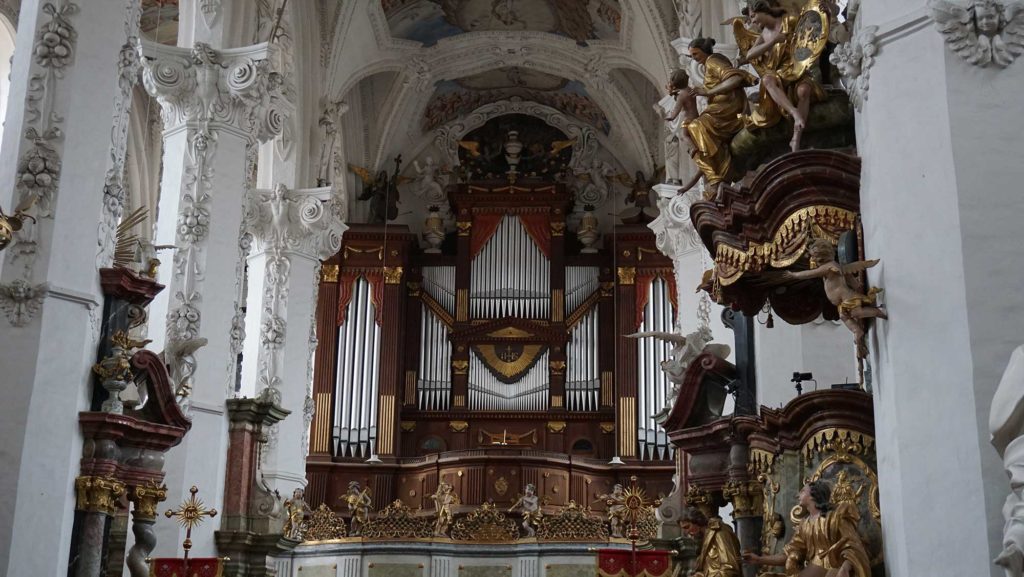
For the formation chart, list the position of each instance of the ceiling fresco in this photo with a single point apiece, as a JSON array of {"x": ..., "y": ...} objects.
[
  {"x": 455, "y": 98},
  {"x": 429, "y": 21}
]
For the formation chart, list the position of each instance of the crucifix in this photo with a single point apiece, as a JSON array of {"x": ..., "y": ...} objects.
[{"x": 190, "y": 514}]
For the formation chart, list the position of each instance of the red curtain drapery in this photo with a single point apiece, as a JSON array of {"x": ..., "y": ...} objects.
[
  {"x": 376, "y": 280},
  {"x": 643, "y": 293},
  {"x": 346, "y": 288},
  {"x": 197, "y": 567},
  {"x": 485, "y": 224},
  {"x": 620, "y": 563},
  {"x": 538, "y": 226}
]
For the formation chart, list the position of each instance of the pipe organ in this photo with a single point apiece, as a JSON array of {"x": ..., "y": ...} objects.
[{"x": 505, "y": 352}]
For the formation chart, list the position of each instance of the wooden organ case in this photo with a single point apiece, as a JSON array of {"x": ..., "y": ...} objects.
[{"x": 497, "y": 362}]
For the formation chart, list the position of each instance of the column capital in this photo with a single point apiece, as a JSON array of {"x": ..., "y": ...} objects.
[
  {"x": 673, "y": 230},
  {"x": 233, "y": 88},
  {"x": 305, "y": 221}
]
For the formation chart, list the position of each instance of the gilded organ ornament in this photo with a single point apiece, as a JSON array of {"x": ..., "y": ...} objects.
[{"x": 324, "y": 525}]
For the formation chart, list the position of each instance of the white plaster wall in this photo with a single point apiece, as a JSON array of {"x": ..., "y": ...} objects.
[
  {"x": 925, "y": 405},
  {"x": 987, "y": 120},
  {"x": 823, "y": 348}
]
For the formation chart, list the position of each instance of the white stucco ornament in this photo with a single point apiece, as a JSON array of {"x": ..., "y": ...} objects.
[
  {"x": 982, "y": 32},
  {"x": 854, "y": 60},
  {"x": 1006, "y": 423}
]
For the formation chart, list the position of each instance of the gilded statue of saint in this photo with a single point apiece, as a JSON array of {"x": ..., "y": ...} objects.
[
  {"x": 712, "y": 131},
  {"x": 825, "y": 543},
  {"x": 358, "y": 502},
  {"x": 720, "y": 548}
]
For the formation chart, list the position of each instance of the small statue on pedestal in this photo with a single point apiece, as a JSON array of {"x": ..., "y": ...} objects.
[
  {"x": 444, "y": 499},
  {"x": 825, "y": 543},
  {"x": 358, "y": 502},
  {"x": 296, "y": 507},
  {"x": 840, "y": 282},
  {"x": 529, "y": 504},
  {"x": 616, "y": 501}
]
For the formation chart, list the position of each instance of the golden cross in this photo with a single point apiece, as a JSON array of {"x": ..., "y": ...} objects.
[{"x": 190, "y": 514}]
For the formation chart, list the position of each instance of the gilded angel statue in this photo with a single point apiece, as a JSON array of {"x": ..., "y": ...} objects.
[
  {"x": 982, "y": 32},
  {"x": 784, "y": 52}
]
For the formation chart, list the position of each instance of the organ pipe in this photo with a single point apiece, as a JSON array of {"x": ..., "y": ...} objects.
[
  {"x": 583, "y": 384},
  {"x": 357, "y": 376},
  {"x": 434, "y": 380},
  {"x": 652, "y": 383},
  {"x": 510, "y": 277},
  {"x": 529, "y": 393}
]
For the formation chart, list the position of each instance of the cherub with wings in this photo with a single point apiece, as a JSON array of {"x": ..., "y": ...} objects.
[
  {"x": 12, "y": 223},
  {"x": 842, "y": 288},
  {"x": 982, "y": 32}
]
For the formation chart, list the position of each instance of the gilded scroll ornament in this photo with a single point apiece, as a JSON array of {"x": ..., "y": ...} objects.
[
  {"x": 485, "y": 524},
  {"x": 573, "y": 523},
  {"x": 458, "y": 426},
  {"x": 460, "y": 367},
  {"x": 788, "y": 243},
  {"x": 627, "y": 275},
  {"x": 325, "y": 525},
  {"x": 396, "y": 521},
  {"x": 556, "y": 426}
]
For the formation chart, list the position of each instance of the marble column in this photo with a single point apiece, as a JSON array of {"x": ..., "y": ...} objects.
[
  {"x": 291, "y": 232},
  {"x": 216, "y": 105},
  {"x": 941, "y": 208},
  {"x": 66, "y": 95}
]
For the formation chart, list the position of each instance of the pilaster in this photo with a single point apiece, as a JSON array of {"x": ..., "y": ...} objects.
[
  {"x": 216, "y": 105},
  {"x": 58, "y": 142},
  {"x": 290, "y": 232}
]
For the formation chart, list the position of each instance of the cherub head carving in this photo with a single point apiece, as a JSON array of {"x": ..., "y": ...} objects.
[{"x": 988, "y": 17}]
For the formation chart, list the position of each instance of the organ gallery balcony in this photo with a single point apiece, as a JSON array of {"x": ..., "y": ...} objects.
[{"x": 760, "y": 231}]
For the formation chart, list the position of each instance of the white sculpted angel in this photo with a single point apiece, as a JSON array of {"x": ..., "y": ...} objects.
[
  {"x": 429, "y": 180},
  {"x": 982, "y": 32},
  {"x": 684, "y": 350}
]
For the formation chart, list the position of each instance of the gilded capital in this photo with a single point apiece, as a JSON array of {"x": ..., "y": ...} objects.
[
  {"x": 392, "y": 275},
  {"x": 146, "y": 499},
  {"x": 627, "y": 275},
  {"x": 98, "y": 494},
  {"x": 746, "y": 497},
  {"x": 234, "y": 87}
]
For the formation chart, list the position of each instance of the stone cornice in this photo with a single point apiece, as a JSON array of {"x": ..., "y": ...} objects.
[
  {"x": 301, "y": 221},
  {"x": 232, "y": 88}
]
